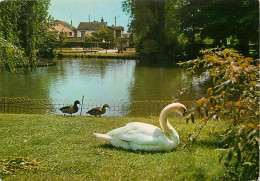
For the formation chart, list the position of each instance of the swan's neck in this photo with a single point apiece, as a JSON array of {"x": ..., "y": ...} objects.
[{"x": 166, "y": 126}]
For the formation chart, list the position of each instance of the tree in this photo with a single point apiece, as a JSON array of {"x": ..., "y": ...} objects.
[
  {"x": 220, "y": 19},
  {"x": 176, "y": 29},
  {"x": 23, "y": 23},
  {"x": 33, "y": 15},
  {"x": 87, "y": 37},
  {"x": 103, "y": 34},
  {"x": 235, "y": 98},
  {"x": 11, "y": 55},
  {"x": 62, "y": 36},
  {"x": 147, "y": 24},
  {"x": 49, "y": 43},
  {"x": 9, "y": 13}
]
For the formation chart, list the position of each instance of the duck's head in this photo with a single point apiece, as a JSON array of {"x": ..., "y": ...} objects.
[
  {"x": 76, "y": 102},
  {"x": 105, "y": 105}
]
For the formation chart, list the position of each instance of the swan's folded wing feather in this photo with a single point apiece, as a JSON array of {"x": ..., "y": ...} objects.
[
  {"x": 138, "y": 133},
  {"x": 139, "y": 139}
]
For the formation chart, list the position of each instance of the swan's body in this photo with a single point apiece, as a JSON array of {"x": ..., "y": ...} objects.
[{"x": 142, "y": 136}]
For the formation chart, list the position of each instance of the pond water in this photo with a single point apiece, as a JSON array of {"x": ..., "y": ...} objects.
[{"x": 101, "y": 81}]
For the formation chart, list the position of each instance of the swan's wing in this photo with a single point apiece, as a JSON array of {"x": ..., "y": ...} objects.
[{"x": 138, "y": 133}]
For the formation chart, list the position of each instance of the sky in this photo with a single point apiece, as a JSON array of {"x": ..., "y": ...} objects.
[{"x": 81, "y": 10}]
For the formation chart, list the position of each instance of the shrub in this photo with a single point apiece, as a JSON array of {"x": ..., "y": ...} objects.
[
  {"x": 87, "y": 45},
  {"x": 235, "y": 97},
  {"x": 49, "y": 43}
]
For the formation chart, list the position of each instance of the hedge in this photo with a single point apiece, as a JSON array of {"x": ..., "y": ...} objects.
[{"x": 88, "y": 45}]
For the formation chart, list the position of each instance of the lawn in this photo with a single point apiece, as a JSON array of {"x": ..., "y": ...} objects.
[
  {"x": 68, "y": 52},
  {"x": 100, "y": 55},
  {"x": 67, "y": 150}
]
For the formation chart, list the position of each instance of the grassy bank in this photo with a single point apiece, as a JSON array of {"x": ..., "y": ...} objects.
[
  {"x": 99, "y": 55},
  {"x": 74, "y": 52},
  {"x": 67, "y": 150}
]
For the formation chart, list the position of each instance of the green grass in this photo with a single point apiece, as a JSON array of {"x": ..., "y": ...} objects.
[
  {"x": 68, "y": 53},
  {"x": 101, "y": 55},
  {"x": 67, "y": 149}
]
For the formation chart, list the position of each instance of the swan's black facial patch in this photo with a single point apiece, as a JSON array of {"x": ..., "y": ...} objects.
[{"x": 184, "y": 112}]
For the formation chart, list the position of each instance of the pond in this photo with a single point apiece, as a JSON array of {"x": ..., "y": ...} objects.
[{"x": 112, "y": 81}]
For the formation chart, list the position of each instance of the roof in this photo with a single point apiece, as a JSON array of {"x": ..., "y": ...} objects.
[
  {"x": 116, "y": 27},
  {"x": 90, "y": 25},
  {"x": 66, "y": 25}
]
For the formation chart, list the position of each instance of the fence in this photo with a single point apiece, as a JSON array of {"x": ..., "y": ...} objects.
[{"x": 49, "y": 106}]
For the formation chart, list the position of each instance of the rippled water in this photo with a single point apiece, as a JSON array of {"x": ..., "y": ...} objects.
[{"x": 101, "y": 81}]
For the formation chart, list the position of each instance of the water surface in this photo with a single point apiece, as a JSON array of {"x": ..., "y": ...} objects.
[{"x": 111, "y": 81}]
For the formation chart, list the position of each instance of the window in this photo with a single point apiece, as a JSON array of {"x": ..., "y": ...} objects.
[{"x": 70, "y": 33}]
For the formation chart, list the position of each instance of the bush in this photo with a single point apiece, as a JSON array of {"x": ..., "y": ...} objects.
[
  {"x": 235, "y": 97},
  {"x": 88, "y": 45},
  {"x": 49, "y": 43}
]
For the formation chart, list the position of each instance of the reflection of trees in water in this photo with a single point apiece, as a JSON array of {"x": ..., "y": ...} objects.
[
  {"x": 25, "y": 83},
  {"x": 152, "y": 83},
  {"x": 94, "y": 66},
  {"x": 163, "y": 83}
]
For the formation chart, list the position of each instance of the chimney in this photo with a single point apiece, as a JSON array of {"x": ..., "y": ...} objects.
[{"x": 102, "y": 20}]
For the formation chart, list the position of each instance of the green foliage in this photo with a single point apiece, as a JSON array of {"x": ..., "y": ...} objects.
[
  {"x": 235, "y": 97},
  {"x": 11, "y": 55},
  {"x": 50, "y": 39},
  {"x": 177, "y": 28},
  {"x": 49, "y": 43},
  {"x": 148, "y": 26},
  {"x": 88, "y": 37},
  {"x": 32, "y": 23},
  {"x": 62, "y": 37},
  {"x": 9, "y": 11},
  {"x": 24, "y": 24},
  {"x": 103, "y": 33},
  {"x": 221, "y": 19},
  {"x": 87, "y": 44}
]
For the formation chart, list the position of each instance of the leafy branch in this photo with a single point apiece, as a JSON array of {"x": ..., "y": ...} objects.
[{"x": 234, "y": 97}]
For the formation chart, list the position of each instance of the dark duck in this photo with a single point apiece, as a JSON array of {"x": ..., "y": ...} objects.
[
  {"x": 71, "y": 109},
  {"x": 98, "y": 110}
]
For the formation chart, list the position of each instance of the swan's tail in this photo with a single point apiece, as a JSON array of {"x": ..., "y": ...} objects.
[{"x": 103, "y": 136}]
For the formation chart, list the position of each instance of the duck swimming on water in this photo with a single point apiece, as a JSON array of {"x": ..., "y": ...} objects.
[
  {"x": 98, "y": 110},
  {"x": 71, "y": 109}
]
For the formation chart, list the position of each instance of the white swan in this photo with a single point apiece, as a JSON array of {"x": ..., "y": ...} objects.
[{"x": 147, "y": 137}]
